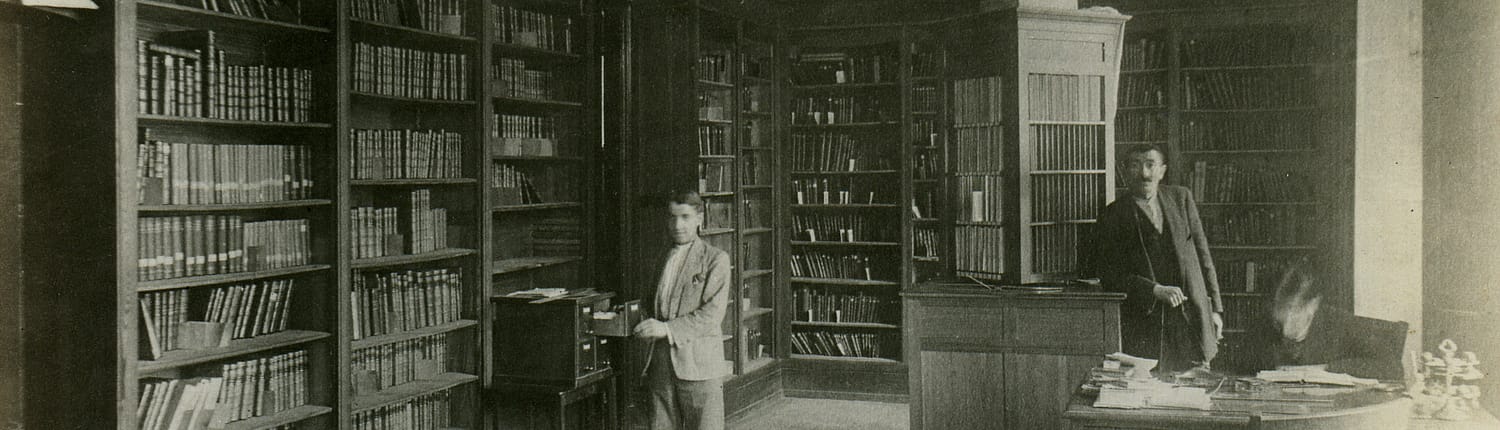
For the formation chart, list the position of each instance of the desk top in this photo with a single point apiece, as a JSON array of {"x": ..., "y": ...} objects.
[{"x": 1275, "y": 407}]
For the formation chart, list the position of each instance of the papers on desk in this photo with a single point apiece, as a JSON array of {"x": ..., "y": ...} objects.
[
  {"x": 1152, "y": 394},
  {"x": 1312, "y": 375},
  {"x": 540, "y": 292}
]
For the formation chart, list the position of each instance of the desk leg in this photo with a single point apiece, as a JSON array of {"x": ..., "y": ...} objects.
[
  {"x": 562, "y": 411},
  {"x": 613, "y": 405}
]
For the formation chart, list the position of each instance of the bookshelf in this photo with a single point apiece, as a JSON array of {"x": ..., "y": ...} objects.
[{"x": 1245, "y": 110}]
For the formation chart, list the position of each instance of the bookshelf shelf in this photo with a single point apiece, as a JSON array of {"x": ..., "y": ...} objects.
[
  {"x": 386, "y": 339},
  {"x": 1054, "y": 122},
  {"x": 398, "y": 260},
  {"x": 1070, "y": 172},
  {"x": 182, "y": 358},
  {"x": 537, "y": 102},
  {"x": 848, "y": 206},
  {"x": 846, "y": 172},
  {"x": 715, "y": 85},
  {"x": 844, "y": 324},
  {"x": 979, "y": 223},
  {"x": 712, "y": 194},
  {"x": 859, "y": 86},
  {"x": 755, "y": 313},
  {"x": 512, "y": 265},
  {"x": 1147, "y": 107},
  {"x": 830, "y": 358},
  {"x": 715, "y": 121},
  {"x": 198, "y": 281},
  {"x": 404, "y": 32},
  {"x": 289, "y": 416},
  {"x": 755, "y": 273},
  {"x": 757, "y": 230},
  {"x": 411, "y": 182},
  {"x": 1140, "y": 71},
  {"x": 1260, "y": 203},
  {"x": 411, "y": 100},
  {"x": 183, "y": 120},
  {"x": 161, "y": 11},
  {"x": 537, "y": 207},
  {"x": 849, "y": 124},
  {"x": 546, "y": 158},
  {"x": 926, "y": 220},
  {"x": 1140, "y": 142},
  {"x": 532, "y": 52},
  {"x": 1250, "y": 151},
  {"x": 844, "y": 244},
  {"x": 717, "y": 157},
  {"x": 757, "y": 148},
  {"x": 409, "y": 391},
  {"x": 844, "y": 282},
  {"x": 1250, "y": 67},
  {"x": 756, "y": 113},
  {"x": 289, "y": 204},
  {"x": 708, "y": 232},
  {"x": 1265, "y": 247},
  {"x": 759, "y": 363},
  {"x": 1062, "y": 222},
  {"x": 1254, "y": 110},
  {"x": 926, "y": 259},
  {"x": 757, "y": 187}
]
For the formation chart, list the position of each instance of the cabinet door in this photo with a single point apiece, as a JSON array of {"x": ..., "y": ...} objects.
[
  {"x": 1037, "y": 387},
  {"x": 963, "y": 390}
]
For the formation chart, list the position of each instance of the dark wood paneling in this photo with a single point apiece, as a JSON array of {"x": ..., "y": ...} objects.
[
  {"x": 963, "y": 390},
  {"x": 743, "y": 392},
  {"x": 1038, "y": 387},
  {"x": 1057, "y": 328},
  {"x": 961, "y": 325},
  {"x": 11, "y": 183},
  {"x": 854, "y": 382}
]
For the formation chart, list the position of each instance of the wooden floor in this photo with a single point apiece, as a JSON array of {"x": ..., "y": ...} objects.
[{"x": 797, "y": 414}]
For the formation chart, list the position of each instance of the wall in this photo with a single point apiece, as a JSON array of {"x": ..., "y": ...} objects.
[
  {"x": 10, "y": 219},
  {"x": 1462, "y": 147},
  {"x": 1388, "y": 163}
]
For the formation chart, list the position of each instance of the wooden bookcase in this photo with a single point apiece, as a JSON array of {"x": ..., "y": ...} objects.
[
  {"x": 347, "y": 216},
  {"x": 1247, "y": 102}
]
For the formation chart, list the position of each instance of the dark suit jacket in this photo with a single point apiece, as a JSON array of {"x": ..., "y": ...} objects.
[
  {"x": 1347, "y": 343},
  {"x": 695, "y": 312},
  {"x": 1124, "y": 265}
]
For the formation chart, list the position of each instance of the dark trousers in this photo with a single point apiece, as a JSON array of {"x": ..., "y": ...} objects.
[
  {"x": 1170, "y": 335},
  {"x": 682, "y": 405}
]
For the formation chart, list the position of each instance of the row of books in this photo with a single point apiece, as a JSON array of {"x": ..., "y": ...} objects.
[
  {"x": 842, "y": 110},
  {"x": 713, "y": 106},
  {"x": 812, "y": 304},
  {"x": 512, "y": 186},
  {"x": 839, "y": 344},
  {"x": 1260, "y": 226},
  {"x": 1066, "y": 198},
  {"x": 1260, "y": 275},
  {"x": 715, "y": 176},
  {"x": 185, "y": 74},
  {"x": 197, "y": 245},
  {"x": 406, "y": 154},
  {"x": 162, "y": 314},
  {"x": 524, "y": 135},
  {"x": 516, "y": 26},
  {"x": 925, "y": 242},
  {"x": 432, "y": 411},
  {"x": 978, "y": 251},
  {"x": 980, "y": 198},
  {"x": 840, "y": 191},
  {"x": 1246, "y": 313},
  {"x": 812, "y": 264},
  {"x": 413, "y": 226},
  {"x": 1234, "y": 133},
  {"x": 398, "y": 363},
  {"x": 411, "y": 73},
  {"x": 1144, "y": 54},
  {"x": 1142, "y": 90},
  {"x": 756, "y": 340},
  {"x": 924, "y": 203},
  {"x": 253, "y": 309},
  {"x": 753, "y": 97},
  {"x": 438, "y": 16},
  {"x": 1065, "y": 97},
  {"x": 925, "y": 98},
  {"x": 845, "y": 68},
  {"x": 712, "y": 67},
  {"x": 927, "y": 167},
  {"x": 175, "y": 173},
  {"x": 978, "y": 101},
  {"x": 713, "y": 140},
  {"x": 1270, "y": 46},
  {"x": 1054, "y": 248},
  {"x": 513, "y": 77},
  {"x": 926, "y": 63},
  {"x": 925, "y": 133},
  {"x": 1068, "y": 147},
  {"x": 1141, "y": 126},
  {"x": 837, "y": 152},
  {"x": 235, "y": 391},
  {"x": 274, "y": 10},
  {"x": 1256, "y": 89},
  {"x": 1229, "y": 182},
  {"x": 402, "y": 300},
  {"x": 843, "y": 228},
  {"x": 756, "y": 169},
  {"x": 550, "y": 237},
  {"x": 979, "y": 149}
]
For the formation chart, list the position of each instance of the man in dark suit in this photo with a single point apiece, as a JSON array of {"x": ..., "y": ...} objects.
[
  {"x": 1314, "y": 334},
  {"x": 1152, "y": 248},
  {"x": 686, "y": 366}
]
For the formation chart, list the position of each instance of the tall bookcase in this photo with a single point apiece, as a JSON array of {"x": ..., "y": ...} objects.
[
  {"x": 1246, "y": 102},
  {"x": 341, "y": 184}
]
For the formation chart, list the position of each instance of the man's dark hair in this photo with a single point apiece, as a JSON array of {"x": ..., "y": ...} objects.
[
  {"x": 1142, "y": 149},
  {"x": 690, "y": 198}
]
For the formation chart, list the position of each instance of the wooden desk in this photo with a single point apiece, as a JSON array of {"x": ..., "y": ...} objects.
[
  {"x": 1352, "y": 409},
  {"x": 599, "y": 386},
  {"x": 983, "y": 359}
]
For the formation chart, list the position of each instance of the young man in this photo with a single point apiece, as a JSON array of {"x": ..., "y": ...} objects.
[
  {"x": 686, "y": 364},
  {"x": 1313, "y": 334},
  {"x": 1153, "y": 249}
]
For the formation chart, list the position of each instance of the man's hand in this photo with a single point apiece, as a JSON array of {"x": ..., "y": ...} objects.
[
  {"x": 651, "y": 329},
  {"x": 1219, "y": 324},
  {"x": 1169, "y": 294}
]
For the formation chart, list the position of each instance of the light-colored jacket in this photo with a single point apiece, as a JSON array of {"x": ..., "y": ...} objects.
[{"x": 694, "y": 312}]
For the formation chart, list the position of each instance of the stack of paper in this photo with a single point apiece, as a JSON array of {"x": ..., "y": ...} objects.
[
  {"x": 1309, "y": 375},
  {"x": 540, "y": 292},
  {"x": 1152, "y": 394}
]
